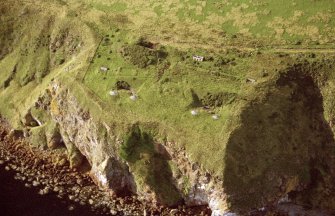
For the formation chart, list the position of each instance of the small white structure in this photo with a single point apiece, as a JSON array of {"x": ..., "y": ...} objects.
[
  {"x": 284, "y": 199},
  {"x": 103, "y": 69},
  {"x": 198, "y": 58},
  {"x": 133, "y": 97},
  {"x": 215, "y": 117},
  {"x": 113, "y": 93},
  {"x": 194, "y": 112},
  {"x": 250, "y": 80}
]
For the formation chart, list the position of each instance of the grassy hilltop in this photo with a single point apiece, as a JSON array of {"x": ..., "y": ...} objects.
[{"x": 149, "y": 45}]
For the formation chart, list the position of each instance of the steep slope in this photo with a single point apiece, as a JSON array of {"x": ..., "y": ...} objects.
[
  {"x": 284, "y": 144},
  {"x": 39, "y": 41}
]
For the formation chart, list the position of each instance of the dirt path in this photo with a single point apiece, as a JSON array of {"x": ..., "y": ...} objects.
[{"x": 219, "y": 47}]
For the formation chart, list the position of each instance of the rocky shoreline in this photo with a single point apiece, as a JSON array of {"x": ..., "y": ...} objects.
[{"x": 49, "y": 173}]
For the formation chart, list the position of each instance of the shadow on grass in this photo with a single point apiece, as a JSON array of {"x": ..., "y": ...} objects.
[
  {"x": 283, "y": 146},
  {"x": 150, "y": 167}
]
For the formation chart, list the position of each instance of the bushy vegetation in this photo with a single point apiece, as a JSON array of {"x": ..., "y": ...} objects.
[
  {"x": 119, "y": 85},
  {"x": 218, "y": 99},
  {"x": 134, "y": 140},
  {"x": 141, "y": 56}
]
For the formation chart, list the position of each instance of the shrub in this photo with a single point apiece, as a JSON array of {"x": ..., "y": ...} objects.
[
  {"x": 218, "y": 99},
  {"x": 141, "y": 56},
  {"x": 122, "y": 85},
  {"x": 130, "y": 142}
]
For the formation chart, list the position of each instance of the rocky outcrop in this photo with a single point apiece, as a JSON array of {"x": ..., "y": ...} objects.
[
  {"x": 198, "y": 186},
  {"x": 84, "y": 137},
  {"x": 97, "y": 143}
]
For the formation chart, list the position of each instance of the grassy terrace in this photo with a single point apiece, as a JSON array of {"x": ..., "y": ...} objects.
[{"x": 169, "y": 88}]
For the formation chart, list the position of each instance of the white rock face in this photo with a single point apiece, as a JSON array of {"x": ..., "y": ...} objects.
[
  {"x": 215, "y": 205},
  {"x": 81, "y": 132},
  {"x": 204, "y": 189}
]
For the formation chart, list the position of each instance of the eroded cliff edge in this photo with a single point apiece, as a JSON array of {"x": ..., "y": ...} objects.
[
  {"x": 281, "y": 150},
  {"x": 273, "y": 142}
]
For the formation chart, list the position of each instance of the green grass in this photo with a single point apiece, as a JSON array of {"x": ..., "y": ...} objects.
[
  {"x": 148, "y": 167},
  {"x": 90, "y": 34},
  {"x": 255, "y": 20},
  {"x": 38, "y": 138},
  {"x": 114, "y": 7},
  {"x": 168, "y": 99}
]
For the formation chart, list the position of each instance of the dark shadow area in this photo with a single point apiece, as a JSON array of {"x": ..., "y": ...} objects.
[
  {"x": 196, "y": 102},
  {"x": 10, "y": 77},
  {"x": 150, "y": 166},
  {"x": 85, "y": 166},
  {"x": 145, "y": 43},
  {"x": 17, "y": 200},
  {"x": 282, "y": 146},
  {"x": 115, "y": 177},
  {"x": 122, "y": 85}
]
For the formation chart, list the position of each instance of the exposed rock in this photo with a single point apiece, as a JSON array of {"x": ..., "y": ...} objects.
[
  {"x": 113, "y": 212},
  {"x": 108, "y": 170},
  {"x": 29, "y": 120}
]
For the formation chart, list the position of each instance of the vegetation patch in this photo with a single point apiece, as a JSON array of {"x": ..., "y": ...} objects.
[
  {"x": 218, "y": 99},
  {"x": 140, "y": 55},
  {"x": 122, "y": 85},
  {"x": 38, "y": 138},
  {"x": 221, "y": 61},
  {"x": 149, "y": 168}
]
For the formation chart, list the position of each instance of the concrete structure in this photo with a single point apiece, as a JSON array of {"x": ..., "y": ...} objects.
[
  {"x": 250, "y": 80},
  {"x": 133, "y": 97},
  {"x": 113, "y": 93},
  {"x": 103, "y": 69},
  {"x": 198, "y": 58},
  {"x": 194, "y": 112}
]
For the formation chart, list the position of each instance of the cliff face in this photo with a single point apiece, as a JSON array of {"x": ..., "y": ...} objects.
[
  {"x": 282, "y": 149},
  {"x": 166, "y": 166},
  {"x": 85, "y": 138}
]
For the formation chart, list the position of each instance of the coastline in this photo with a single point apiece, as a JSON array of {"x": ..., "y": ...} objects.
[{"x": 44, "y": 178}]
